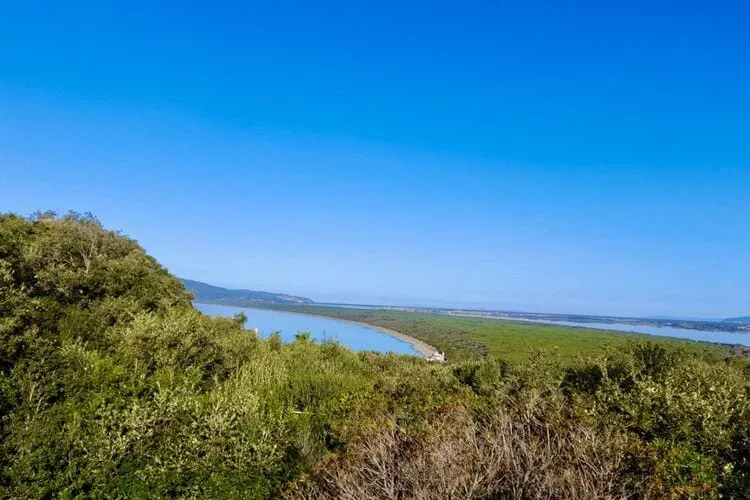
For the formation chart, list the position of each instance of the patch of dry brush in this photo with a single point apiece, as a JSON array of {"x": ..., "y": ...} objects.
[{"x": 498, "y": 456}]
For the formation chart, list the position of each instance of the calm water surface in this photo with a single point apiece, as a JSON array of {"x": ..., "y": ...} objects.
[
  {"x": 358, "y": 338},
  {"x": 680, "y": 333}
]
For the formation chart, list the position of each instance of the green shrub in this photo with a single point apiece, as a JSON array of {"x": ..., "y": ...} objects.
[{"x": 112, "y": 385}]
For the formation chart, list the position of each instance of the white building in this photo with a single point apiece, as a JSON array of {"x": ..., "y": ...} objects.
[{"x": 436, "y": 356}]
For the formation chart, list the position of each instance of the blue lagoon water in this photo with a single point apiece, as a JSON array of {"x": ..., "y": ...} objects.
[
  {"x": 666, "y": 331},
  {"x": 355, "y": 337}
]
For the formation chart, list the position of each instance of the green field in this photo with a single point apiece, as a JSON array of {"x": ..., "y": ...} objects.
[{"x": 463, "y": 338}]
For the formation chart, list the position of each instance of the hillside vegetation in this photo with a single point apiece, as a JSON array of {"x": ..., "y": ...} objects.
[
  {"x": 113, "y": 385},
  {"x": 206, "y": 293}
]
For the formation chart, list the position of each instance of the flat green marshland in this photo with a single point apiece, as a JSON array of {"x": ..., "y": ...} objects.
[{"x": 464, "y": 337}]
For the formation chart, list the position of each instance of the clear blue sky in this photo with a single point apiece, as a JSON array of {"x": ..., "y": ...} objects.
[{"x": 585, "y": 157}]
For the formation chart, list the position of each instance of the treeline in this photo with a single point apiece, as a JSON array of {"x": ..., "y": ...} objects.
[{"x": 113, "y": 385}]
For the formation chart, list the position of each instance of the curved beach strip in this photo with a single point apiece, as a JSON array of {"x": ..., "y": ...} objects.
[{"x": 423, "y": 348}]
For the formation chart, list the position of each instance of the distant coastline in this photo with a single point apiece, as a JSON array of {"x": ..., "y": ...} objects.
[
  {"x": 262, "y": 299},
  {"x": 730, "y": 325}
]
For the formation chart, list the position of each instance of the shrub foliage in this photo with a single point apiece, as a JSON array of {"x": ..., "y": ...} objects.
[{"x": 112, "y": 384}]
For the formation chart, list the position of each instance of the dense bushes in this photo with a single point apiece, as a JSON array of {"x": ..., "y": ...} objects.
[
  {"x": 111, "y": 384},
  {"x": 691, "y": 417}
]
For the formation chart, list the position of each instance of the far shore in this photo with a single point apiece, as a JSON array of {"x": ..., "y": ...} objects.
[{"x": 423, "y": 348}]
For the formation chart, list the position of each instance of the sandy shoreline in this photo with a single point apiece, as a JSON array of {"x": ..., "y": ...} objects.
[{"x": 423, "y": 348}]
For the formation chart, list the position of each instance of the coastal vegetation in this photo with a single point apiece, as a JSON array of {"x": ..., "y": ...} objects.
[
  {"x": 472, "y": 338},
  {"x": 203, "y": 292},
  {"x": 113, "y": 385}
]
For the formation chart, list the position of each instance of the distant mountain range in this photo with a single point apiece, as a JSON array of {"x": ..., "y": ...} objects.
[
  {"x": 741, "y": 319},
  {"x": 217, "y": 295}
]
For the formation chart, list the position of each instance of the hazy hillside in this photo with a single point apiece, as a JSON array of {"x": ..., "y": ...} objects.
[
  {"x": 209, "y": 293},
  {"x": 741, "y": 319}
]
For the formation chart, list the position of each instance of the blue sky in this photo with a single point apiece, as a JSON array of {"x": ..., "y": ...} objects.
[{"x": 587, "y": 157}]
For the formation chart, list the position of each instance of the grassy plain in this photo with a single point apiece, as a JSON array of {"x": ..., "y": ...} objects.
[{"x": 465, "y": 338}]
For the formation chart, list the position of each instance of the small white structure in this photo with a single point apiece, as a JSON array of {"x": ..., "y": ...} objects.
[{"x": 436, "y": 356}]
